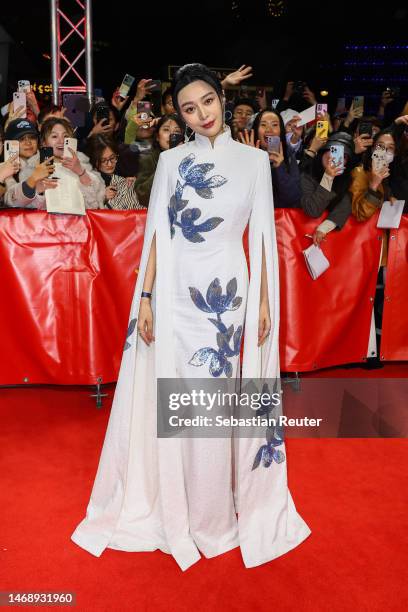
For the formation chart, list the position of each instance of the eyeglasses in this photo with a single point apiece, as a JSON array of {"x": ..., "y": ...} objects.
[
  {"x": 110, "y": 160},
  {"x": 379, "y": 146}
]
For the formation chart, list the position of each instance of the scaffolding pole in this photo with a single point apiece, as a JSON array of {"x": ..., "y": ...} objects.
[{"x": 71, "y": 48}]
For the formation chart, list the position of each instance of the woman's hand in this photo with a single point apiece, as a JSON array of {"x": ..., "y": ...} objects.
[
  {"x": 150, "y": 122},
  {"x": 42, "y": 171},
  {"x": 317, "y": 143},
  {"x": 142, "y": 90},
  {"x": 334, "y": 169},
  {"x": 117, "y": 101},
  {"x": 297, "y": 132},
  {"x": 354, "y": 113},
  {"x": 362, "y": 143},
  {"x": 100, "y": 128},
  {"x": 110, "y": 192},
  {"x": 248, "y": 138},
  {"x": 73, "y": 163},
  {"x": 377, "y": 177},
  {"x": 402, "y": 119},
  {"x": 46, "y": 184},
  {"x": 235, "y": 78},
  {"x": 317, "y": 237},
  {"x": 145, "y": 321},
  {"x": 276, "y": 158},
  {"x": 10, "y": 167},
  {"x": 264, "y": 325}
]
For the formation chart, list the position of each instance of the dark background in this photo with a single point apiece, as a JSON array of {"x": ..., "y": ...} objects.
[{"x": 306, "y": 42}]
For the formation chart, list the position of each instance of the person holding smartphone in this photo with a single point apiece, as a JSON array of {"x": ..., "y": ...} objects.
[
  {"x": 27, "y": 185},
  {"x": 120, "y": 192},
  {"x": 168, "y": 126},
  {"x": 268, "y": 133},
  {"x": 370, "y": 187},
  {"x": 325, "y": 185}
]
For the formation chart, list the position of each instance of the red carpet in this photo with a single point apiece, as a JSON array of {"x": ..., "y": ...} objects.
[{"x": 352, "y": 493}]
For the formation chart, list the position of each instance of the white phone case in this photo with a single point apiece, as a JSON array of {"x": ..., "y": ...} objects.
[
  {"x": 19, "y": 99},
  {"x": 70, "y": 143},
  {"x": 10, "y": 148}
]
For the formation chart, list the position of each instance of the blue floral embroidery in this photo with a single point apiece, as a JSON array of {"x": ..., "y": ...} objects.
[
  {"x": 217, "y": 303},
  {"x": 131, "y": 329},
  {"x": 267, "y": 453},
  {"x": 194, "y": 175}
]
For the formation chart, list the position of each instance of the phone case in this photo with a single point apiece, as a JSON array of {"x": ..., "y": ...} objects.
[
  {"x": 322, "y": 129},
  {"x": 10, "y": 148},
  {"x": 379, "y": 160},
  {"x": 337, "y": 155},
  {"x": 126, "y": 84},
  {"x": 19, "y": 99},
  {"x": 24, "y": 86},
  {"x": 321, "y": 110},
  {"x": 70, "y": 143},
  {"x": 273, "y": 144},
  {"x": 358, "y": 102}
]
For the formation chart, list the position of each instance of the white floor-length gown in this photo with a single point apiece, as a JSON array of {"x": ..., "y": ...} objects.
[{"x": 181, "y": 495}]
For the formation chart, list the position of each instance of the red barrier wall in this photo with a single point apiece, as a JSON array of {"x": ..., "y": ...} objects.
[{"x": 67, "y": 284}]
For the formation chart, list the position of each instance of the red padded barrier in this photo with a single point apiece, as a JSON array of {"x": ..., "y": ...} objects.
[{"x": 67, "y": 284}]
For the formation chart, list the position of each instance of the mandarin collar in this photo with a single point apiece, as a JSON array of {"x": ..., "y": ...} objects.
[{"x": 223, "y": 139}]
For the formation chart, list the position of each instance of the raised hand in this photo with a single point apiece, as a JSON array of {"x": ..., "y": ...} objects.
[
  {"x": 235, "y": 78},
  {"x": 248, "y": 138},
  {"x": 117, "y": 101}
]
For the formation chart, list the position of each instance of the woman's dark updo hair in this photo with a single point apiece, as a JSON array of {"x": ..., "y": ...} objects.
[{"x": 189, "y": 73}]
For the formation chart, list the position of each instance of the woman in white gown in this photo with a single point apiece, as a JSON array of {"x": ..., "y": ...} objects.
[{"x": 185, "y": 495}]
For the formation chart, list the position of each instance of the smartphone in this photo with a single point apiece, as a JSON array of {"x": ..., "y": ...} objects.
[
  {"x": 126, "y": 84},
  {"x": 154, "y": 86},
  {"x": 274, "y": 103},
  {"x": 46, "y": 153},
  {"x": 322, "y": 129},
  {"x": 144, "y": 108},
  {"x": 103, "y": 114},
  {"x": 70, "y": 143},
  {"x": 341, "y": 105},
  {"x": 23, "y": 86},
  {"x": 273, "y": 144},
  {"x": 19, "y": 99},
  {"x": 379, "y": 160},
  {"x": 321, "y": 110},
  {"x": 337, "y": 155},
  {"x": 11, "y": 147},
  {"x": 174, "y": 140},
  {"x": 366, "y": 128},
  {"x": 358, "y": 102}
]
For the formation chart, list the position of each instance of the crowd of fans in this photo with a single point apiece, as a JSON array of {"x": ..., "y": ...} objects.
[{"x": 117, "y": 155}]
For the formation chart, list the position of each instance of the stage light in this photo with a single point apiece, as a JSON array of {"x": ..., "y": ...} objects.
[{"x": 324, "y": 93}]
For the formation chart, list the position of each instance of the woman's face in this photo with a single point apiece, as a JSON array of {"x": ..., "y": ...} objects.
[
  {"x": 201, "y": 108},
  {"x": 386, "y": 143},
  {"x": 28, "y": 145},
  {"x": 108, "y": 161},
  {"x": 169, "y": 127},
  {"x": 168, "y": 107},
  {"x": 55, "y": 139},
  {"x": 268, "y": 126}
]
